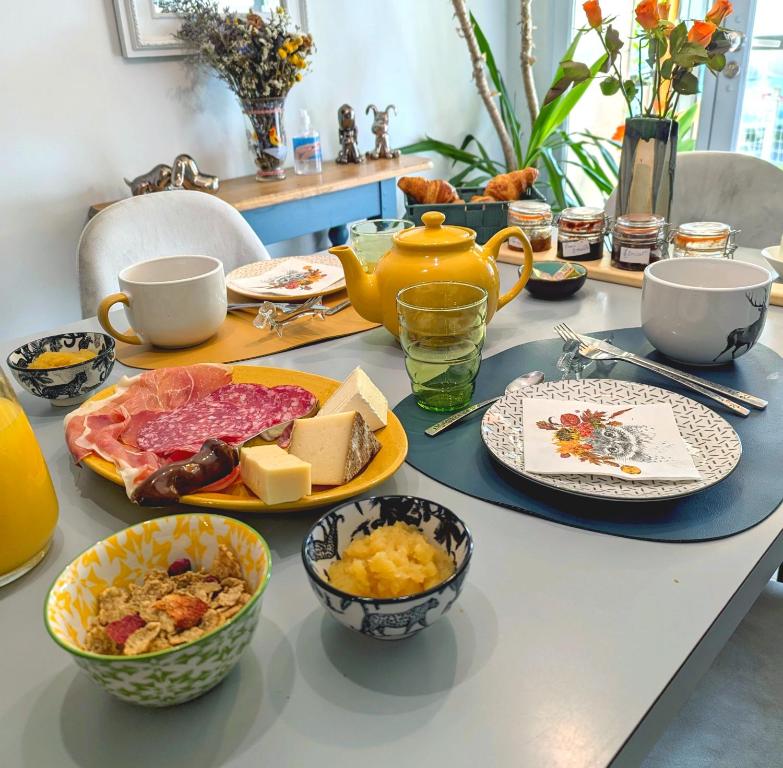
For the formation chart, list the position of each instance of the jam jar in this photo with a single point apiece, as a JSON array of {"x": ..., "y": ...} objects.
[
  {"x": 580, "y": 233},
  {"x": 638, "y": 239},
  {"x": 534, "y": 217},
  {"x": 704, "y": 238}
]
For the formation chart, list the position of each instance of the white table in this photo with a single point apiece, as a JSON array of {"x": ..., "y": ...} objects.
[{"x": 567, "y": 648}]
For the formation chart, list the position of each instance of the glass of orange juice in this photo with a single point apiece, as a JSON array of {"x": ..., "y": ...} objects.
[{"x": 28, "y": 504}]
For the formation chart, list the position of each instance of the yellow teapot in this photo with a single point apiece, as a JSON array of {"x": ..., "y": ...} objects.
[{"x": 433, "y": 252}]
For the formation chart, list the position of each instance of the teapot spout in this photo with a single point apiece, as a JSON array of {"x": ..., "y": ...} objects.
[{"x": 362, "y": 288}]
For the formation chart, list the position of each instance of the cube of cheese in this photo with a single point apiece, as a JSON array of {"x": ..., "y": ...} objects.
[
  {"x": 275, "y": 476},
  {"x": 337, "y": 446},
  {"x": 358, "y": 393}
]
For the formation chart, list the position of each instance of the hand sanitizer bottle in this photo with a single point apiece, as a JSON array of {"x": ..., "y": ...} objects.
[{"x": 307, "y": 147}]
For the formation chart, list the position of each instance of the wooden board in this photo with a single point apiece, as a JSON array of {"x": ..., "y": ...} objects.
[
  {"x": 604, "y": 271},
  {"x": 245, "y": 193}
]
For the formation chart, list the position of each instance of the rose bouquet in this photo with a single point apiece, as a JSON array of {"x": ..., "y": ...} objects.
[{"x": 671, "y": 50}]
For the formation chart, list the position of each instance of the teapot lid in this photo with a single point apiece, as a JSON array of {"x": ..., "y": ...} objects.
[{"x": 434, "y": 233}]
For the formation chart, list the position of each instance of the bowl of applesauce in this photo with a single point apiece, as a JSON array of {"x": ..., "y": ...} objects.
[
  {"x": 63, "y": 369},
  {"x": 388, "y": 566}
]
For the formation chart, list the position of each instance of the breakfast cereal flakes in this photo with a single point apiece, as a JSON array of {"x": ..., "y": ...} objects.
[{"x": 169, "y": 609}]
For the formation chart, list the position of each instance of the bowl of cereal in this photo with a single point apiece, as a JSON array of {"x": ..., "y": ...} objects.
[
  {"x": 388, "y": 566},
  {"x": 159, "y": 613}
]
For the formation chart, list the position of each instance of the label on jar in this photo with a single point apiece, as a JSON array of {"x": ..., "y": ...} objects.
[
  {"x": 573, "y": 248},
  {"x": 635, "y": 255}
]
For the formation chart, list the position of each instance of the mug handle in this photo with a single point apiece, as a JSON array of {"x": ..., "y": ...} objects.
[
  {"x": 103, "y": 318},
  {"x": 493, "y": 246}
]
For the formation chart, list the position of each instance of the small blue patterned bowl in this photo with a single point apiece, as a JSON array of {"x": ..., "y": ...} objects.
[
  {"x": 70, "y": 384},
  {"x": 391, "y": 618}
]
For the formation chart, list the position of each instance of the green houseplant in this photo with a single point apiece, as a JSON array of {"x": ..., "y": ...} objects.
[{"x": 549, "y": 146}]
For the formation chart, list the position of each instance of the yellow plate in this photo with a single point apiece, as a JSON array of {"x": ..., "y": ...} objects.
[{"x": 394, "y": 447}]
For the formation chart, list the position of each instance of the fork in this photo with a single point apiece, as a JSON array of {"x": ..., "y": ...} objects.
[
  {"x": 591, "y": 350},
  {"x": 630, "y": 357}
]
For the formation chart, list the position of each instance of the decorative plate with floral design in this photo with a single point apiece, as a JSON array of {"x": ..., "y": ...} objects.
[{"x": 715, "y": 446}]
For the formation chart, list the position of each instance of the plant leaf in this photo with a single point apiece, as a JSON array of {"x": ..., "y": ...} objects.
[
  {"x": 554, "y": 113},
  {"x": 685, "y": 83},
  {"x": 677, "y": 37},
  {"x": 609, "y": 86},
  {"x": 716, "y": 62},
  {"x": 576, "y": 71}
]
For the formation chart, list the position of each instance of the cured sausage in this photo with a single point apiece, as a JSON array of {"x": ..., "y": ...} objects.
[
  {"x": 213, "y": 462},
  {"x": 233, "y": 413}
]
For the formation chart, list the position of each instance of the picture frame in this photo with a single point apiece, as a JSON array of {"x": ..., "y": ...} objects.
[{"x": 146, "y": 32}]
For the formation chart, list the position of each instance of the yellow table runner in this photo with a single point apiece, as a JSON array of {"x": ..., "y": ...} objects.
[{"x": 238, "y": 339}]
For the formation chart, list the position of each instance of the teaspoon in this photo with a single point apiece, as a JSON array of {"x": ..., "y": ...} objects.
[{"x": 521, "y": 382}]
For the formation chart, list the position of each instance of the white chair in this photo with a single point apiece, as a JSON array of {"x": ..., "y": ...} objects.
[
  {"x": 160, "y": 224},
  {"x": 740, "y": 190},
  {"x": 734, "y": 719}
]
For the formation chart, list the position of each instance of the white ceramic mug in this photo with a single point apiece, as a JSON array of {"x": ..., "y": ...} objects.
[
  {"x": 172, "y": 301},
  {"x": 702, "y": 310}
]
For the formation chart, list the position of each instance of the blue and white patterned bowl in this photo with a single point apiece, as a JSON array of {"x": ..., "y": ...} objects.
[
  {"x": 70, "y": 384},
  {"x": 392, "y": 618}
]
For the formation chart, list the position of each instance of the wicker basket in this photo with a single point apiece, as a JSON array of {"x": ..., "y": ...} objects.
[{"x": 485, "y": 218}]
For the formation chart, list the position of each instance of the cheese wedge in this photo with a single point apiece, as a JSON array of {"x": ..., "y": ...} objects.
[
  {"x": 358, "y": 393},
  {"x": 275, "y": 476},
  {"x": 337, "y": 447}
]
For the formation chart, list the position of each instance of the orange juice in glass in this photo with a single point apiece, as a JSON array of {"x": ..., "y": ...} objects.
[{"x": 28, "y": 505}]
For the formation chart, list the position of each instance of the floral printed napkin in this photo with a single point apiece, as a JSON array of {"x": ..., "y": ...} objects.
[
  {"x": 294, "y": 277},
  {"x": 634, "y": 442}
]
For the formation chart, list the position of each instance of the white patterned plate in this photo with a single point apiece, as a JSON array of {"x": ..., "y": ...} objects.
[
  {"x": 717, "y": 445},
  {"x": 259, "y": 267}
]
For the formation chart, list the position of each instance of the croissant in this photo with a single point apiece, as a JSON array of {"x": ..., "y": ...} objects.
[
  {"x": 511, "y": 186},
  {"x": 482, "y": 199},
  {"x": 424, "y": 191}
]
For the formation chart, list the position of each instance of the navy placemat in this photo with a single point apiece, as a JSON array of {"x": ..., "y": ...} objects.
[{"x": 457, "y": 458}]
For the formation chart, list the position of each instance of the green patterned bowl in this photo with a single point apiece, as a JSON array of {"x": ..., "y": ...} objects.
[{"x": 182, "y": 673}]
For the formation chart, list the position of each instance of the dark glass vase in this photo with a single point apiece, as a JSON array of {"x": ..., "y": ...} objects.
[
  {"x": 267, "y": 137},
  {"x": 647, "y": 164}
]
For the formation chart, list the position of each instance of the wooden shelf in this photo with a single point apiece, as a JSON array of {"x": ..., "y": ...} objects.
[
  {"x": 245, "y": 193},
  {"x": 604, "y": 271}
]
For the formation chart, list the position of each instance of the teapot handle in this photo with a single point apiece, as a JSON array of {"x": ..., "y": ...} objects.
[{"x": 493, "y": 246}]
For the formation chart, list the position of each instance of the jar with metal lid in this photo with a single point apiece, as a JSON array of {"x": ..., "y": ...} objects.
[
  {"x": 580, "y": 233},
  {"x": 534, "y": 217},
  {"x": 638, "y": 239},
  {"x": 704, "y": 238}
]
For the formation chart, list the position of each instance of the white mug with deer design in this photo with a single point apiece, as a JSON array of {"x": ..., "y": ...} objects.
[{"x": 702, "y": 310}]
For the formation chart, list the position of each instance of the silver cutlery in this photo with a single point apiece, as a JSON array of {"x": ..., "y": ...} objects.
[
  {"x": 592, "y": 349},
  {"x": 267, "y": 318},
  {"x": 521, "y": 382},
  {"x": 621, "y": 354},
  {"x": 284, "y": 307}
]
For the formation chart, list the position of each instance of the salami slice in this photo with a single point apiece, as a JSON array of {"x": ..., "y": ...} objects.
[{"x": 232, "y": 413}]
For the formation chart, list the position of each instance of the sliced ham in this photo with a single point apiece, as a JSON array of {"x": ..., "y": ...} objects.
[{"x": 98, "y": 425}]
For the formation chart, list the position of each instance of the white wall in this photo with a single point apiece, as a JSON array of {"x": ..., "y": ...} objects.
[{"x": 76, "y": 117}]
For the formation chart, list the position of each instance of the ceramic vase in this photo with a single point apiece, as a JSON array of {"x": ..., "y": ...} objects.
[
  {"x": 267, "y": 137},
  {"x": 647, "y": 163}
]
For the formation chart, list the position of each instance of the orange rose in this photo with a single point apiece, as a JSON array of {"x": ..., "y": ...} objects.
[
  {"x": 592, "y": 10},
  {"x": 701, "y": 32},
  {"x": 619, "y": 133},
  {"x": 664, "y": 10},
  {"x": 719, "y": 11},
  {"x": 647, "y": 14}
]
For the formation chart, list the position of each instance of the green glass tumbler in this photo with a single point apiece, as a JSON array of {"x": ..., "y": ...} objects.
[
  {"x": 442, "y": 330},
  {"x": 372, "y": 239}
]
